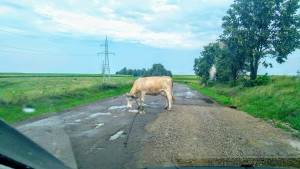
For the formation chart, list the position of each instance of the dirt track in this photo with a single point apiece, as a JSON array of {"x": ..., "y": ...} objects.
[{"x": 197, "y": 132}]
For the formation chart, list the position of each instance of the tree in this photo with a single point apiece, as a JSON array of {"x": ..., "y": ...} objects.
[
  {"x": 122, "y": 71},
  {"x": 262, "y": 28},
  {"x": 227, "y": 59},
  {"x": 231, "y": 63},
  {"x": 156, "y": 70},
  {"x": 206, "y": 60}
]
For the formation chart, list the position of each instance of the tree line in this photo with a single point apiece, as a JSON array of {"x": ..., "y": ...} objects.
[
  {"x": 254, "y": 31},
  {"x": 156, "y": 70}
]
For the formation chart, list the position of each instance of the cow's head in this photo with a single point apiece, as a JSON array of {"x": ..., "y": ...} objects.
[{"x": 129, "y": 98}]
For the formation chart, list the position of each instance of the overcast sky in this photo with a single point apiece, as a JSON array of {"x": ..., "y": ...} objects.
[{"x": 65, "y": 36}]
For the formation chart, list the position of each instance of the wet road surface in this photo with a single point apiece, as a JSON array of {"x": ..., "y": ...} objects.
[{"x": 197, "y": 131}]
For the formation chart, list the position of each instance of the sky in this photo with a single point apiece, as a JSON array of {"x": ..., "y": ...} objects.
[{"x": 65, "y": 36}]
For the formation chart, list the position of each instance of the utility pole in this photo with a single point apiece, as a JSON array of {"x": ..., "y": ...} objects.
[{"x": 105, "y": 63}]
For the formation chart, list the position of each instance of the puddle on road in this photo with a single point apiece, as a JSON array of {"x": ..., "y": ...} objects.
[
  {"x": 117, "y": 107},
  {"x": 100, "y": 114},
  {"x": 153, "y": 103},
  {"x": 117, "y": 135},
  {"x": 133, "y": 111},
  {"x": 99, "y": 125},
  {"x": 189, "y": 93},
  {"x": 208, "y": 101}
]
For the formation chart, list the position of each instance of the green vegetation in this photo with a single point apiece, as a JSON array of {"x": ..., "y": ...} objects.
[
  {"x": 186, "y": 79},
  {"x": 156, "y": 70},
  {"x": 252, "y": 32},
  {"x": 53, "y": 92},
  {"x": 278, "y": 100}
]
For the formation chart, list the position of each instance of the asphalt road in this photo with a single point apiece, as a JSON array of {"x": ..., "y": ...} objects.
[{"x": 196, "y": 132}]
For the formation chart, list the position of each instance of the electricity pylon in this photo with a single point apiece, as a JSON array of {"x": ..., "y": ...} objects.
[{"x": 105, "y": 63}]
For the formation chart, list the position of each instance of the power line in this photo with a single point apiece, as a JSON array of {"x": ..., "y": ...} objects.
[
  {"x": 49, "y": 54},
  {"x": 19, "y": 50},
  {"x": 20, "y": 34},
  {"x": 38, "y": 37},
  {"x": 28, "y": 49},
  {"x": 44, "y": 53}
]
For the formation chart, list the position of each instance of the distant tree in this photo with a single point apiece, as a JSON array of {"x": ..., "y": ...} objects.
[
  {"x": 262, "y": 28},
  {"x": 122, "y": 71},
  {"x": 156, "y": 70},
  {"x": 143, "y": 72}
]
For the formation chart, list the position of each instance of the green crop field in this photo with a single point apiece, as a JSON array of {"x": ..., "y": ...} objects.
[
  {"x": 186, "y": 79},
  {"x": 49, "y": 93},
  {"x": 279, "y": 100}
]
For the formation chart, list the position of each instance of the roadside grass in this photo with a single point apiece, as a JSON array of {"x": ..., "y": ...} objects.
[
  {"x": 186, "y": 79},
  {"x": 49, "y": 94},
  {"x": 279, "y": 100}
]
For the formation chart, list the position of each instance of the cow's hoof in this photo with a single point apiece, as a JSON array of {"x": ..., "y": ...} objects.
[
  {"x": 166, "y": 108},
  {"x": 170, "y": 109}
]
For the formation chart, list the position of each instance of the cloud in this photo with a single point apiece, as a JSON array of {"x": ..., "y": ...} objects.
[
  {"x": 88, "y": 25},
  {"x": 157, "y": 23}
]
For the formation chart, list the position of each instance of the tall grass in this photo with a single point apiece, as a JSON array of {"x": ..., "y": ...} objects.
[{"x": 51, "y": 94}]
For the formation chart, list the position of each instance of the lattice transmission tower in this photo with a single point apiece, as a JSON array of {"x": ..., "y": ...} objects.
[{"x": 105, "y": 62}]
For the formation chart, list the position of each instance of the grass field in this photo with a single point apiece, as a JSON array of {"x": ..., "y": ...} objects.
[
  {"x": 53, "y": 92},
  {"x": 186, "y": 79},
  {"x": 279, "y": 100}
]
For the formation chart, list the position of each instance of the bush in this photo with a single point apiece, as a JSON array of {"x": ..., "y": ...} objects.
[
  {"x": 261, "y": 80},
  {"x": 211, "y": 83}
]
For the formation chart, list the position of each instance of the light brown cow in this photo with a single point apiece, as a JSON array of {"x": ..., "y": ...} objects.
[{"x": 151, "y": 86}]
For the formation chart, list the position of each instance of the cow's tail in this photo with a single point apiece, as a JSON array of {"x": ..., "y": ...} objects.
[{"x": 173, "y": 98}]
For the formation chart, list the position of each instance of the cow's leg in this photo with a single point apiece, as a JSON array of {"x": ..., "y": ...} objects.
[
  {"x": 169, "y": 96},
  {"x": 139, "y": 103},
  {"x": 142, "y": 100},
  {"x": 167, "y": 102},
  {"x": 165, "y": 96}
]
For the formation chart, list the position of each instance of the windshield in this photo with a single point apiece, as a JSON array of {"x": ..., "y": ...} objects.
[{"x": 158, "y": 83}]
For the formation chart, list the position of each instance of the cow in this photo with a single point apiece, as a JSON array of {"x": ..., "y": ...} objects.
[{"x": 151, "y": 86}]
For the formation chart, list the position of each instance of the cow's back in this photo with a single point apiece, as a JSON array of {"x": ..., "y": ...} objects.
[{"x": 154, "y": 84}]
